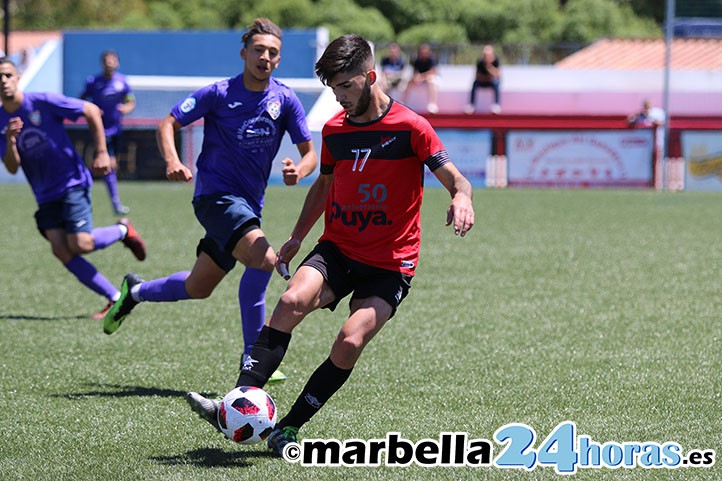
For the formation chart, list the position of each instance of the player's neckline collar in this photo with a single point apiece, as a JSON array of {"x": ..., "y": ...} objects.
[{"x": 370, "y": 122}]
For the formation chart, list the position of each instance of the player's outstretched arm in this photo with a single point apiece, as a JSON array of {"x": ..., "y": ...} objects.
[
  {"x": 165, "y": 137},
  {"x": 461, "y": 211},
  {"x": 312, "y": 209},
  {"x": 101, "y": 161}
]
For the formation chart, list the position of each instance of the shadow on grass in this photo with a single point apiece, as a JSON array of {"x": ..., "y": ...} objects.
[
  {"x": 119, "y": 391},
  {"x": 215, "y": 458},
  {"x": 22, "y": 317}
]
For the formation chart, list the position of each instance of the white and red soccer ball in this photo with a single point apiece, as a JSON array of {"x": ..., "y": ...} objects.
[{"x": 247, "y": 415}]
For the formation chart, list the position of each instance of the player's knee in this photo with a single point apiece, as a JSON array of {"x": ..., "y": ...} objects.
[
  {"x": 347, "y": 349},
  {"x": 198, "y": 291},
  {"x": 292, "y": 304},
  {"x": 81, "y": 245},
  {"x": 263, "y": 262},
  {"x": 80, "y": 249}
]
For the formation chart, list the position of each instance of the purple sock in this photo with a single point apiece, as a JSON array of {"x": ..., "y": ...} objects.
[
  {"x": 252, "y": 299},
  {"x": 166, "y": 289},
  {"x": 105, "y": 236},
  {"x": 111, "y": 180},
  {"x": 89, "y": 276}
]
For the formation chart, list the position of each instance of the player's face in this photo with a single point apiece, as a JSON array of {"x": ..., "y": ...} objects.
[
  {"x": 353, "y": 92},
  {"x": 262, "y": 56},
  {"x": 8, "y": 81},
  {"x": 110, "y": 64}
]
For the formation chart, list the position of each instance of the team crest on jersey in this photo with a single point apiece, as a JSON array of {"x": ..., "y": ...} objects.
[
  {"x": 386, "y": 141},
  {"x": 273, "y": 107},
  {"x": 188, "y": 105},
  {"x": 35, "y": 117}
]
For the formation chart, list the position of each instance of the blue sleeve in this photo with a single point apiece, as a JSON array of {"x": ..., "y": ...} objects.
[
  {"x": 62, "y": 106},
  {"x": 296, "y": 124},
  {"x": 195, "y": 106}
]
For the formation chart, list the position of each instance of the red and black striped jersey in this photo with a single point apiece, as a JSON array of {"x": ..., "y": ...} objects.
[{"x": 373, "y": 208}]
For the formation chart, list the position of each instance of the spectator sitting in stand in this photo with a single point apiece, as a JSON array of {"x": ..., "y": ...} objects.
[
  {"x": 488, "y": 75},
  {"x": 424, "y": 72},
  {"x": 392, "y": 68}
]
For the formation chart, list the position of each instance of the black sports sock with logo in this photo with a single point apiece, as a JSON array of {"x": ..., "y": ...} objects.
[
  {"x": 266, "y": 356},
  {"x": 324, "y": 382}
]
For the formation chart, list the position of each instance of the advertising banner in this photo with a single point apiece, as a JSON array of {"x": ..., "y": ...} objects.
[
  {"x": 468, "y": 150},
  {"x": 617, "y": 158},
  {"x": 703, "y": 151}
]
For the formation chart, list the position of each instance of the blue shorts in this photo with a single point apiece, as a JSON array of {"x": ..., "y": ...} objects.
[
  {"x": 113, "y": 144},
  {"x": 226, "y": 218},
  {"x": 72, "y": 213}
]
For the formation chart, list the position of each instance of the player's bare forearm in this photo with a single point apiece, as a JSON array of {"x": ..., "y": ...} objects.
[
  {"x": 101, "y": 160},
  {"x": 313, "y": 206},
  {"x": 127, "y": 107},
  {"x": 461, "y": 211},
  {"x": 292, "y": 172},
  {"x": 11, "y": 159},
  {"x": 309, "y": 159},
  {"x": 312, "y": 209},
  {"x": 165, "y": 137}
]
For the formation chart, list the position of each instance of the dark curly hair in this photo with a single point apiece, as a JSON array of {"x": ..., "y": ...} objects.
[
  {"x": 348, "y": 53},
  {"x": 261, "y": 26}
]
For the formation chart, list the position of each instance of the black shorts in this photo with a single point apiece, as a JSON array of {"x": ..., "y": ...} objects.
[{"x": 345, "y": 276}]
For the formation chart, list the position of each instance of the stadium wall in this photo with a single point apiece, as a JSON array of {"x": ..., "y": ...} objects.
[
  {"x": 536, "y": 98},
  {"x": 179, "y": 53},
  {"x": 548, "y": 90}
]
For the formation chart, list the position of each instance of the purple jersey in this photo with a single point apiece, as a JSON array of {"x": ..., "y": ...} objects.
[
  {"x": 108, "y": 93},
  {"x": 241, "y": 135},
  {"x": 48, "y": 158}
]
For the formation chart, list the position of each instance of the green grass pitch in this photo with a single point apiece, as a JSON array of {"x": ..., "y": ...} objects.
[{"x": 598, "y": 307}]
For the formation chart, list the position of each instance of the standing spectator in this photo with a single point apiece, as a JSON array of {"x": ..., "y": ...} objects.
[
  {"x": 35, "y": 140},
  {"x": 488, "y": 75},
  {"x": 245, "y": 119},
  {"x": 392, "y": 68},
  {"x": 651, "y": 117},
  {"x": 424, "y": 73},
  {"x": 372, "y": 160},
  {"x": 110, "y": 91}
]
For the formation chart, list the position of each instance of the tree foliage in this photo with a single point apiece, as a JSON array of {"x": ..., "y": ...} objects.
[
  {"x": 347, "y": 16},
  {"x": 586, "y": 20},
  {"x": 522, "y": 22}
]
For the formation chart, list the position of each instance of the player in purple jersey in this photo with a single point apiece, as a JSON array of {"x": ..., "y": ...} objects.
[
  {"x": 110, "y": 91},
  {"x": 245, "y": 118},
  {"x": 34, "y": 139}
]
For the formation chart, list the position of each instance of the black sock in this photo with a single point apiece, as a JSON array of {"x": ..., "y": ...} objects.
[
  {"x": 324, "y": 382},
  {"x": 266, "y": 356}
]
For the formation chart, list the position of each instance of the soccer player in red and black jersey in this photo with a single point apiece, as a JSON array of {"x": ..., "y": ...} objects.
[{"x": 370, "y": 190}]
